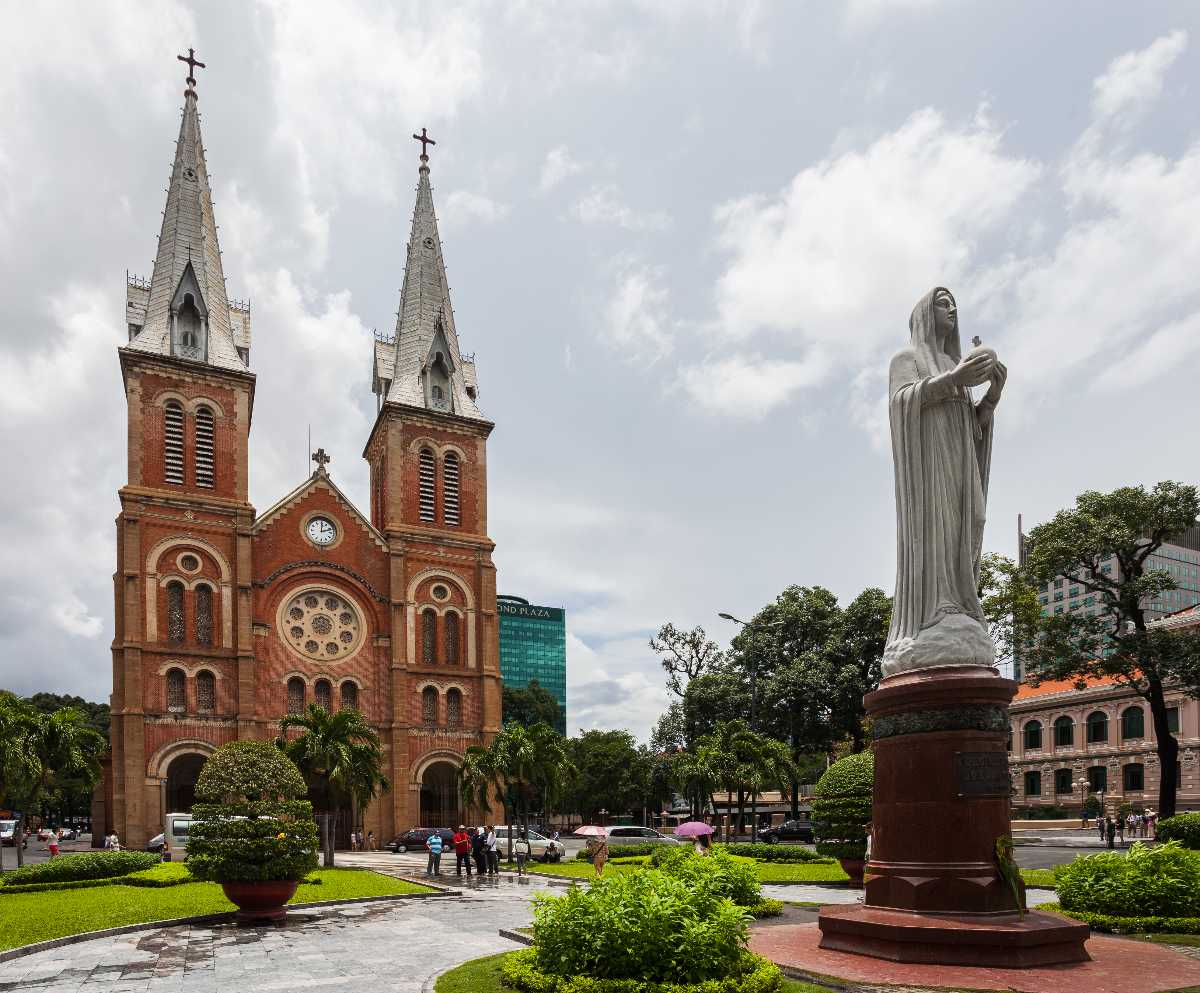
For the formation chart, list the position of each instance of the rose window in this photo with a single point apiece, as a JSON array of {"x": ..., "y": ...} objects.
[{"x": 321, "y": 625}]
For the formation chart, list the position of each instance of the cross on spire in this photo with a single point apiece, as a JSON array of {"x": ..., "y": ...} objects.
[
  {"x": 425, "y": 140},
  {"x": 321, "y": 459},
  {"x": 192, "y": 63}
]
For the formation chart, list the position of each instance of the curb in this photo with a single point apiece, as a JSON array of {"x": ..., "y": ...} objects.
[
  {"x": 224, "y": 917},
  {"x": 519, "y": 937}
]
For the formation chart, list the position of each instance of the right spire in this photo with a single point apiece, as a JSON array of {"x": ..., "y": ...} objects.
[{"x": 423, "y": 366}]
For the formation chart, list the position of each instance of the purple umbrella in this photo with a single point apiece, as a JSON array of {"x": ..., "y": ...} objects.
[{"x": 690, "y": 829}]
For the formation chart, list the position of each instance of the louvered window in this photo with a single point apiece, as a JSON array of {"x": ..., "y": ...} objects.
[
  {"x": 176, "y": 691},
  {"x": 206, "y": 692},
  {"x": 349, "y": 696},
  {"x": 295, "y": 695},
  {"x": 428, "y": 637},
  {"x": 204, "y": 447},
  {"x": 429, "y": 705},
  {"x": 173, "y": 443},
  {"x": 454, "y": 709},
  {"x": 450, "y": 489},
  {"x": 324, "y": 694},
  {"x": 450, "y": 638},
  {"x": 204, "y": 615},
  {"x": 175, "y": 622},
  {"x": 428, "y": 509}
]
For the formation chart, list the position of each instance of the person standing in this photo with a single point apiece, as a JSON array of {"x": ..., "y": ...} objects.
[
  {"x": 521, "y": 852},
  {"x": 462, "y": 851},
  {"x": 1110, "y": 830},
  {"x": 478, "y": 851},
  {"x": 433, "y": 844},
  {"x": 52, "y": 843},
  {"x": 597, "y": 847},
  {"x": 1101, "y": 819},
  {"x": 370, "y": 841},
  {"x": 493, "y": 851}
]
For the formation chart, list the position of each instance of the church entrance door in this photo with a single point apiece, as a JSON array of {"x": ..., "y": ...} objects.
[
  {"x": 439, "y": 797},
  {"x": 182, "y": 774}
]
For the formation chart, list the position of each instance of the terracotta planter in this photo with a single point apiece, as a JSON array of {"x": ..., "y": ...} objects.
[
  {"x": 852, "y": 868},
  {"x": 260, "y": 903}
]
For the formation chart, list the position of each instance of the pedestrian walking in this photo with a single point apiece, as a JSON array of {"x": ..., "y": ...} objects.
[
  {"x": 433, "y": 845},
  {"x": 52, "y": 843},
  {"x": 354, "y": 841},
  {"x": 462, "y": 851},
  {"x": 370, "y": 841},
  {"x": 1110, "y": 830},
  {"x": 1101, "y": 818},
  {"x": 597, "y": 847},
  {"x": 493, "y": 851},
  {"x": 521, "y": 852},
  {"x": 479, "y": 851}
]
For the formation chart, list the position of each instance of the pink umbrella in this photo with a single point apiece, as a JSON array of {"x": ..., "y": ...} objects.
[
  {"x": 591, "y": 830},
  {"x": 690, "y": 829}
]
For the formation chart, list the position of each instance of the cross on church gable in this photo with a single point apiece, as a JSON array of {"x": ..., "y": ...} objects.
[
  {"x": 321, "y": 459},
  {"x": 425, "y": 140}
]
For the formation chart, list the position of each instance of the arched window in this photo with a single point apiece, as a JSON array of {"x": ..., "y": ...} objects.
[
  {"x": 206, "y": 692},
  {"x": 205, "y": 429},
  {"x": 428, "y": 637},
  {"x": 323, "y": 692},
  {"x": 1033, "y": 784},
  {"x": 428, "y": 505},
  {"x": 176, "y": 628},
  {"x": 1097, "y": 779},
  {"x": 173, "y": 443},
  {"x": 1062, "y": 781},
  {"x": 1133, "y": 723},
  {"x": 450, "y": 512},
  {"x": 450, "y": 638},
  {"x": 429, "y": 705},
  {"x": 1064, "y": 732},
  {"x": 453, "y": 708},
  {"x": 1033, "y": 735},
  {"x": 1097, "y": 727},
  {"x": 204, "y": 615},
  {"x": 176, "y": 691},
  {"x": 349, "y": 696},
  {"x": 1133, "y": 778},
  {"x": 295, "y": 695}
]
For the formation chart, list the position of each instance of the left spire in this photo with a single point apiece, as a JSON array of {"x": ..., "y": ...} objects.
[{"x": 184, "y": 309}]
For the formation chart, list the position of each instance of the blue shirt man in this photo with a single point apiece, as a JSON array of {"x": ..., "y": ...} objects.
[{"x": 434, "y": 844}]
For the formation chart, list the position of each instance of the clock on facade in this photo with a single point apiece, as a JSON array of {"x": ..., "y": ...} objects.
[{"x": 321, "y": 531}]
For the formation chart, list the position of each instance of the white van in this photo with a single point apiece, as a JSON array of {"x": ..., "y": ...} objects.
[{"x": 175, "y": 836}]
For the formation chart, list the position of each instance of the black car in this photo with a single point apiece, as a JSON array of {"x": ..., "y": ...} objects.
[
  {"x": 787, "y": 831},
  {"x": 414, "y": 839}
]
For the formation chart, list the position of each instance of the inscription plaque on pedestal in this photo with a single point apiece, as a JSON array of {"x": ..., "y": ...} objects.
[{"x": 982, "y": 774}]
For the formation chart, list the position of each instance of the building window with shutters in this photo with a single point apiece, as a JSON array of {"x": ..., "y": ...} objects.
[
  {"x": 176, "y": 627},
  {"x": 205, "y": 432},
  {"x": 1062, "y": 781},
  {"x": 349, "y": 696},
  {"x": 428, "y": 503},
  {"x": 206, "y": 692},
  {"x": 450, "y": 631},
  {"x": 295, "y": 695},
  {"x": 428, "y": 637},
  {"x": 1097, "y": 779},
  {"x": 204, "y": 615},
  {"x": 176, "y": 691},
  {"x": 1133, "y": 723},
  {"x": 1133, "y": 778},
  {"x": 1064, "y": 732},
  {"x": 454, "y": 708},
  {"x": 1097, "y": 727},
  {"x": 173, "y": 443},
  {"x": 323, "y": 692},
  {"x": 1033, "y": 784},
  {"x": 1033, "y": 736},
  {"x": 429, "y": 705},
  {"x": 450, "y": 477}
]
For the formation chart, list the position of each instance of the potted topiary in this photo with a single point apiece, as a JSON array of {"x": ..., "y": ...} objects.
[
  {"x": 842, "y": 810},
  {"x": 252, "y": 831}
]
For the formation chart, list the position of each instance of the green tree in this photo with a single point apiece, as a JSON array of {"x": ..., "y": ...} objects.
[
  {"x": 530, "y": 705},
  {"x": 684, "y": 655},
  {"x": 1010, "y": 604},
  {"x": 608, "y": 773},
  {"x": 1127, "y": 526},
  {"x": 97, "y": 713},
  {"x": 18, "y": 763},
  {"x": 339, "y": 755},
  {"x": 65, "y": 747}
]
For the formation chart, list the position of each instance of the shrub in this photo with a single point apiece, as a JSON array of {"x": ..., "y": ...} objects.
[
  {"x": 1130, "y": 925},
  {"x": 766, "y": 908},
  {"x": 1184, "y": 828},
  {"x": 1163, "y": 881},
  {"x": 250, "y": 824},
  {"x": 1092, "y": 806},
  {"x": 842, "y": 807},
  {"x": 623, "y": 851},
  {"x": 72, "y": 868},
  {"x": 718, "y": 871},
  {"x": 642, "y": 925},
  {"x": 774, "y": 853},
  {"x": 520, "y": 970},
  {"x": 75, "y": 884},
  {"x": 1043, "y": 813}
]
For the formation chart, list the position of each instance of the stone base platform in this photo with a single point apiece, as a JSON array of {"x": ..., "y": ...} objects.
[
  {"x": 995, "y": 941},
  {"x": 1117, "y": 965}
]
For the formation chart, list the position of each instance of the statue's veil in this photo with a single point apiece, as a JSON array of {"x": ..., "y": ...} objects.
[{"x": 923, "y": 331}]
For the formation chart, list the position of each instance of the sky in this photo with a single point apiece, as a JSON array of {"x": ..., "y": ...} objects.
[{"x": 683, "y": 240}]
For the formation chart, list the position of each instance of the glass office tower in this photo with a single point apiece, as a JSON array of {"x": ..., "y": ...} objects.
[{"x": 533, "y": 645}]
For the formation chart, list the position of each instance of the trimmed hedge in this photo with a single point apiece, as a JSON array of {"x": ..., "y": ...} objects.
[
  {"x": 73, "y": 868},
  {"x": 842, "y": 807},
  {"x": 1129, "y": 925},
  {"x": 774, "y": 853},
  {"x": 623, "y": 851},
  {"x": 156, "y": 877},
  {"x": 754, "y": 974},
  {"x": 766, "y": 908},
  {"x": 75, "y": 884},
  {"x": 1160, "y": 882},
  {"x": 1184, "y": 828}
]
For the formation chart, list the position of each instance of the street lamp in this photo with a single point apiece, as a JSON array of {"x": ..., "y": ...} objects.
[{"x": 750, "y": 626}]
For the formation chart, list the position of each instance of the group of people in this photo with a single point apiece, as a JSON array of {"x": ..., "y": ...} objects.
[
  {"x": 1132, "y": 825},
  {"x": 360, "y": 844},
  {"x": 475, "y": 849}
]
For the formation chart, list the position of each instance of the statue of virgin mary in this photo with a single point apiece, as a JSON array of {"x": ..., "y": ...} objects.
[{"x": 941, "y": 448}]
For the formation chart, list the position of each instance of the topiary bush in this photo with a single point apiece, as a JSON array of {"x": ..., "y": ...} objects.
[
  {"x": 1184, "y": 828},
  {"x": 250, "y": 823},
  {"x": 842, "y": 807},
  {"x": 73, "y": 868},
  {"x": 624, "y": 851},
  {"x": 1146, "y": 882},
  {"x": 774, "y": 853}
]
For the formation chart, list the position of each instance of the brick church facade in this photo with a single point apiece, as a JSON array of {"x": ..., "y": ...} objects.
[{"x": 227, "y": 619}]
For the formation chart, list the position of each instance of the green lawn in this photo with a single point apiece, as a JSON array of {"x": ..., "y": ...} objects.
[
  {"x": 29, "y": 917},
  {"x": 1042, "y": 878}
]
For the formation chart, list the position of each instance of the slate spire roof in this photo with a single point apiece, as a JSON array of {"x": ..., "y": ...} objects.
[
  {"x": 406, "y": 369},
  {"x": 189, "y": 260}
]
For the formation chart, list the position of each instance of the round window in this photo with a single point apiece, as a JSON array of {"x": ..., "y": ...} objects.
[
  {"x": 440, "y": 592},
  {"x": 320, "y": 624},
  {"x": 189, "y": 563}
]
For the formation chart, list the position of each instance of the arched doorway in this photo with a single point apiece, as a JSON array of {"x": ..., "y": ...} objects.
[
  {"x": 439, "y": 796},
  {"x": 182, "y": 774}
]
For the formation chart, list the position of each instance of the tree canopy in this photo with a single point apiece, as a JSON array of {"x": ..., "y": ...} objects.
[{"x": 530, "y": 705}]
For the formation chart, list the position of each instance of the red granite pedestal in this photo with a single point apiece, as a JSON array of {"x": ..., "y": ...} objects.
[{"x": 933, "y": 889}]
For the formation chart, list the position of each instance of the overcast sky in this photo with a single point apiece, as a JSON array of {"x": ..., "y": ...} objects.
[{"x": 683, "y": 240}]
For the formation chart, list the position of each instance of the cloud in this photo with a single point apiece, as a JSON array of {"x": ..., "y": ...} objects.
[
  {"x": 1135, "y": 79},
  {"x": 635, "y": 320},
  {"x": 558, "y": 166},
  {"x": 462, "y": 208},
  {"x": 601, "y": 696},
  {"x": 750, "y": 386},
  {"x": 601, "y": 206},
  {"x": 866, "y": 13}
]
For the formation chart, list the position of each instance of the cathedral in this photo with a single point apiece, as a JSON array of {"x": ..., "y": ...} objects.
[{"x": 228, "y": 619}]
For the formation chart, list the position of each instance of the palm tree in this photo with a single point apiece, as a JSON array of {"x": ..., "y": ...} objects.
[
  {"x": 64, "y": 745},
  {"x": 339, "y": 755},
  {"x": 766, "y": 762},
  {"x": 18, "y": 764}
]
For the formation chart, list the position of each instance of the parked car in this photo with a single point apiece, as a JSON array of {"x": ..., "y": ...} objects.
[
  {"x": 175, "y": 836},
  {"x": 156, "y": 843},
  {"x": 639, "y": 836},
  {"x": 787, "y": 831},
  {"x": 540, "y": 847},
  {"x": 414, "y": 839},
  {"x": 7, "y": 829}
]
